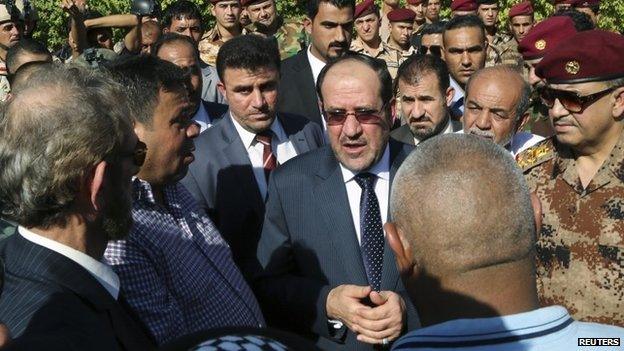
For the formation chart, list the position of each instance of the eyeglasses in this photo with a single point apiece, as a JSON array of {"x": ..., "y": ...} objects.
[
  {"x": 338, "y": 117},
  {"x": 138, "y": 154},
  {"x": 434, "y": 50},
  {"x": 571, "y": 101}
]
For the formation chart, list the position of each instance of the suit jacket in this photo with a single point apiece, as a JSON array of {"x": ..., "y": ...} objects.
[
  {"x": 222, "y": 181},
  {"x": 50, "y": 302},
  {"x": 309, "y": 246},
  {"x": 215, "y": 110},
  {"x": 404, "y": 134},
  {"x": 297, "y": 90},
  {"x": 210, "y": 78}
]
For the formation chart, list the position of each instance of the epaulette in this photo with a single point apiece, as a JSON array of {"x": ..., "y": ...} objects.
[{"x": 536, "y": 154}]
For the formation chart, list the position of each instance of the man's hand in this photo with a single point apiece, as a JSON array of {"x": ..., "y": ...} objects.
[
  {"x": 5, "y": 337},
  {"x": 384, "y": 321},
  {"x": 75, "y": 8},
  {"x": 344, "y": 301}
]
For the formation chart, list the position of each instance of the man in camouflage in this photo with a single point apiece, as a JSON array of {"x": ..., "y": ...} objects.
[
  {"x": 265, "y": 21},
  {"x": 578, "y": 177},
  {"x": 10, "y": 34},
  {"x": 420, "y": 20},
  {"x": 499, "y": 49},
  {"x": 401, "y": 29},
  {"x": 227, "y": 15}
]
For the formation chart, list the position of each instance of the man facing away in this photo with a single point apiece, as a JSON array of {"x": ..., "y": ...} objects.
[{"x": 472, "y": 278}]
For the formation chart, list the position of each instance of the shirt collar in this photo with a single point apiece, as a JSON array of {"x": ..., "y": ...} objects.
[
  {"x": 316, "y": 64},
  {"x": 202, "y": 115},
  {"x": 249, "y": 139},
  {"x": 381, "y": 169},
  {"x": 102, "y": 272}
]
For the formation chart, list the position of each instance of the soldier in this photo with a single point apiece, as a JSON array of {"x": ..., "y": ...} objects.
[
  {"x": 432, "y": 10},
  {"x": 463, "y": 7},
  {"x": 419, "y": 9},
  {"x": 562, "y": 5},
  {"x": 578, "y": 177},
  {"x": 10, "y": 34},
  {"x": 589, "y": 7},
  {"x": 386, "y": 7},
  {"x": 545, "y": 36},
  {"x": 499, "y": 52},
  {"x": 265, "y": 21},
  {"x": 521, "y": 20},
  {"x": 227, "y": 15},
  {"x": 401, "y": 28}
]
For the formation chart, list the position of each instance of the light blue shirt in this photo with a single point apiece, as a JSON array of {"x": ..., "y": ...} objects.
[{"x": 546, "y": 329}]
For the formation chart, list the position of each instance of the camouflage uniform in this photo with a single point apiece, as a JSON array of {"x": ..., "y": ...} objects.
[
  {"x": 501, "y": 51},
  {"x": 539, "y": 122},
  {"x": 5, "y": 87},
  {"x": 580, "y": 250},
  {"x": 290, "y": 36},
  {"x": 383, "y": 53},
  {"x": 397, "y": 56},
  {"x": 210, "y": 44}
]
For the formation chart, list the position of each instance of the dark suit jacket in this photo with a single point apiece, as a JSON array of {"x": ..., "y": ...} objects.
[
  {"x": 404, "y": 134},
  {"x": 50, "y": 302},
  {"x": 309, "y": 246},
  {"x": 297, "y": 91},
  {"x": 222, "y": 181},
  {"x": 215, "y": 110}
]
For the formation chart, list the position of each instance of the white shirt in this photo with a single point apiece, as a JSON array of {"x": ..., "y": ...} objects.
[
  {"x": 102, "y": 272},
  {"x": 447, "y": 130},
  {"x": 382, "y": 190},
  {"x": 202, "y": 118},
  {"x": 519, "y": 142},
  {"x": 282, "y": 148},
  {"x": 457, "y": 106}
]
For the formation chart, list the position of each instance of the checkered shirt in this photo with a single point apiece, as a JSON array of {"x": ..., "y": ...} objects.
[{"x": 176, "y": 270}]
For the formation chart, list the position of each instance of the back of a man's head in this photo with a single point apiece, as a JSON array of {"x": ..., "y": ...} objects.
[
  {"x": 26, "y": 50},
  {"x": 463, "y": 204},
  {"x": 179, "y": 10}
]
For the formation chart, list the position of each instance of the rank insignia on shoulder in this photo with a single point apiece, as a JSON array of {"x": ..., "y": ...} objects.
[{"x": 536, "y": 155}]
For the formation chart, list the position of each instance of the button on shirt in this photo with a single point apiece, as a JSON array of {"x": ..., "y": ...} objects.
[
  {"x": 281, "y": 146},
  {"x": 102, "y": 272},
  {"x": 382, "y": 190}
]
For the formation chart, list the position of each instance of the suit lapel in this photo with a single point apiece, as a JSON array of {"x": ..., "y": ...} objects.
[
  {"x": 295, "y": 135},
  {"x": 305, "y": 79}
]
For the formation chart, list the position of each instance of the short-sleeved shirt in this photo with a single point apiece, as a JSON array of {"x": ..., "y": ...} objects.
[
  {"x": 382, "y": 53},
  {"x": 397, "y": 57},
  {"x": 290, "y": 36},
  {"x": 580, "y": 249},
  {"x": 499, "y": 51}
]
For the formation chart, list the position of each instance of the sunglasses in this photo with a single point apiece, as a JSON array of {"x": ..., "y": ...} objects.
[
  {"x": 571, "y": 101},
  {"x": 434, "y": 50},
  {"x": 337, "y": 117},
  {"x": 138, "y": 155}
]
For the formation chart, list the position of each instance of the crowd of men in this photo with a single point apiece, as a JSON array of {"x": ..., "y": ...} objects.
[{"x": 367, "y": 178}]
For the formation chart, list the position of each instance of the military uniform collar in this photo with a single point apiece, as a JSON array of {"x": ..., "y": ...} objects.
[
  {"x": 214, "y": 35},
  {"x": 253, "y": 28}
]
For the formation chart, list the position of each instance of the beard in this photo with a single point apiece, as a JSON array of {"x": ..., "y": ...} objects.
[
  {"x": 425, "y": 133},
  {"x": 117, "y": 217}
]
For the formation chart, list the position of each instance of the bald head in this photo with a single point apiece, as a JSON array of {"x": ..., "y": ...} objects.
[{"x": 462, "y": 204}]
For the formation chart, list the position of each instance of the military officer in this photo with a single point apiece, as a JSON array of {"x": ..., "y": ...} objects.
[
  {"x": 463, "y": 7},
  {"x": 579, "y": 178},
  {"x": 419, "y": 9},
  {"x": 227, "y": 15},
  {"x": 401, "y": 29},
  {"x": 521, "y": 20},
  {"x": 562, "y": 5},
  {"x": 499, "y": 51}
]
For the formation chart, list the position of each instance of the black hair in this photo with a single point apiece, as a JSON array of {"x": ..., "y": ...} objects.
[
  {"x": 249, "y": 52},
  {"x": 582, "y": 21},
  {"x": 24, "y": 46},
  {"x": 468, "y": 21},
  {"x": 313, "y": 6},
  {"x": 433, "y": 28},
  {"x": 181, "y": 9},
  {"x": 415, "y": 67}
]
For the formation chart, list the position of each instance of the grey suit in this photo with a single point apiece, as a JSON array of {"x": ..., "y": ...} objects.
[
  {"x": 210, "y": 79},
  {"x": 222, "y": 180},
  {"x": 404, "y": 134},
  {"x": 309, "y": 246}
]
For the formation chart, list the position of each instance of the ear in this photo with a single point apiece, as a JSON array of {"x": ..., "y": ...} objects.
[
  {"x": 221, "y": 88},
  {"x": 400, "y": 247},
  {"x": 450, "y": 94},
  {"x": 618, "y": 106},
  {"x": 537, "y": 212},
  {"x": 307, "y": 25},
  {"x": 96, "y": 184},
  {"x": 212, "y": 10},
  {"x": 139, "y": 130},
  {"x": 522, "y": 122}
]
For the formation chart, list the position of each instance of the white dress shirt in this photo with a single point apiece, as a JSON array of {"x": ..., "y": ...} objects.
[
  {"x": 202, "y": 118},
  {"x": 102, "y": 272},
  {"x": 382, "y": 190},
  {"x": 282, "y": 148}
]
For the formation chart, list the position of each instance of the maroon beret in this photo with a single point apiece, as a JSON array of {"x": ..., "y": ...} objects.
[
  {"x": 243, "y": 2},
  {"x": 589, "y": 56},
  {"x": 401, "y": 15},
  {"x": 522, "y": 9},
  {"x": 364, "y": 8},
  {"x": 464, "y": 5},
  {"x": 545, "y": 36},
  {"x": 414, "y": 2},
  {"x": 584, "y": 3}
]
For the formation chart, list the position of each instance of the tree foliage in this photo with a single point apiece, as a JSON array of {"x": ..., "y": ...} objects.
[{"x": 52, "y": 23}]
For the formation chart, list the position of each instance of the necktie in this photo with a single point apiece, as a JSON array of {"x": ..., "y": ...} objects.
[
  {"x": 269, "y": 161},
  {"x": 371, "y": 230}
]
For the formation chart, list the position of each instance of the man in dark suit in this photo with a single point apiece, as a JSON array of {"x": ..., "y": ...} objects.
[
  {"x": 235, "y": 157},
  {"x": 182, "y": 52},
  {"x": 330, "y": 25},
  {"x": 69, "y": 154},
  {"x": 326, "y": 269},
  {"x": 423, "y": 89}
]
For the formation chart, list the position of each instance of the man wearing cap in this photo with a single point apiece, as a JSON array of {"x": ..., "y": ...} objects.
[
  {"x": 541, "y": 39},
  {"x": 401, "y": 29},
  {"x": 386, "y": 7},
  {"x": 521, "y": 20},
  {"x": 589, "y": 7},
  {"x": 578, "y": 178},
  {"x": 10, "y": 34},
  {"x": 227, "y": 15},
  {"x": 562, "y": 5},
  {"x": 499, "y": 52},
  {"x": 463, "y": 7},
  {"x": 419, "y": 9},
  {"x": 265, "y": 21},
  {"x": 368, "y": 41}
]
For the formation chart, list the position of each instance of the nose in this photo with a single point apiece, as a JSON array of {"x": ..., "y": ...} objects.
[
  {"x": 257, "y": 99},
  {"x": 193, "y": 130},
  {"x": 417, "y": 109},
  {"x": 483, "y": 120},
  {"x": 187, "y": 32},
  {"x": 263, "y": 13},
  {"x": 533, "y": 78},
  {"x": 229, "y": 10},
  {"x": 341, "y": 35},
  {"x": 15, "y": 30},
  {"x": 351, "y": 127},
  {"x": 557, "y": 111},
  {"x": 465, "y": 59}
]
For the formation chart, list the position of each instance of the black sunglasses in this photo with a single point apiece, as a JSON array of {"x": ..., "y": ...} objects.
[
  {"x": 434, "y": 50},
  {"x": 336, "y": 118},
  {"x": 571, "y": 101}
]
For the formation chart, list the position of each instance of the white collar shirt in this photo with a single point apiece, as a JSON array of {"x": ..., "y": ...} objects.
[
  {"x": 281, "y": 146},
  {"x": 457, "y": 105},
  {"x": 382, "y": 190},
  {"x": 102, "y": 272},
  {"x": 202, "y": 118}
]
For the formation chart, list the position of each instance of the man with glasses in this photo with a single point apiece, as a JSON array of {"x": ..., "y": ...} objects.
[
  {"x": 579, "y": 180},
  {"x": 326, "y": 268},
  {"x": 431, "y": 41}
]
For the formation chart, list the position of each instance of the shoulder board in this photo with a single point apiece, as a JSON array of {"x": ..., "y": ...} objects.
[{"x": 536, "y": 154}]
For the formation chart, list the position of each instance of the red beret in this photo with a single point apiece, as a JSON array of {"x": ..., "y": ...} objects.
[
  {"x": 589, "y": 56},
  {"x": 545, "y": 36},
  {"x": 414, "y": 2},
  {"x": 464, "y": 5},
  {"x": 401, "y": 15},
  {"x": 522, "y": 9},
  {"x": 364, "y": 8}
]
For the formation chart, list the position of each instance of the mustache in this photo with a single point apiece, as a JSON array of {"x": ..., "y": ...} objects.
[
  {"x": 338, "y": 44},
  {"x": 482, "y": 133},
  {"x": 422, "y": 118}
]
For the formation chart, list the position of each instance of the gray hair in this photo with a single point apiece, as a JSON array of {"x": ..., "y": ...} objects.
[
  {"x": 60, "y": 123},
  {"x": 463, "y": 204},
  {"x": 512, "y": 73}
]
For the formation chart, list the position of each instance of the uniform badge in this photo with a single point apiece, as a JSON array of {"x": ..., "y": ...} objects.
[
  {"x": 535, "y": 155},
  {"x": 572, "y": 67},
  {"x": 540, "y": 44}
]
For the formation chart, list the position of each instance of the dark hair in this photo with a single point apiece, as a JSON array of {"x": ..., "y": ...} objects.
[
  {"x": 171, "y": 38},
  {"x": 582, "y": 21},
  {"x": 24, "y": 46},
  {"x": 181, "y": 9},
  {"x": 144, "y": 76},
  {"x": 377, "y": 65},
  {"x": 250, "y": 52},
  {"x": 468, "y": 21},
  {"x": 313, "y": 6},
  {"x": 415, "y": 67},
  {"x": 433, "y": 28}
]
